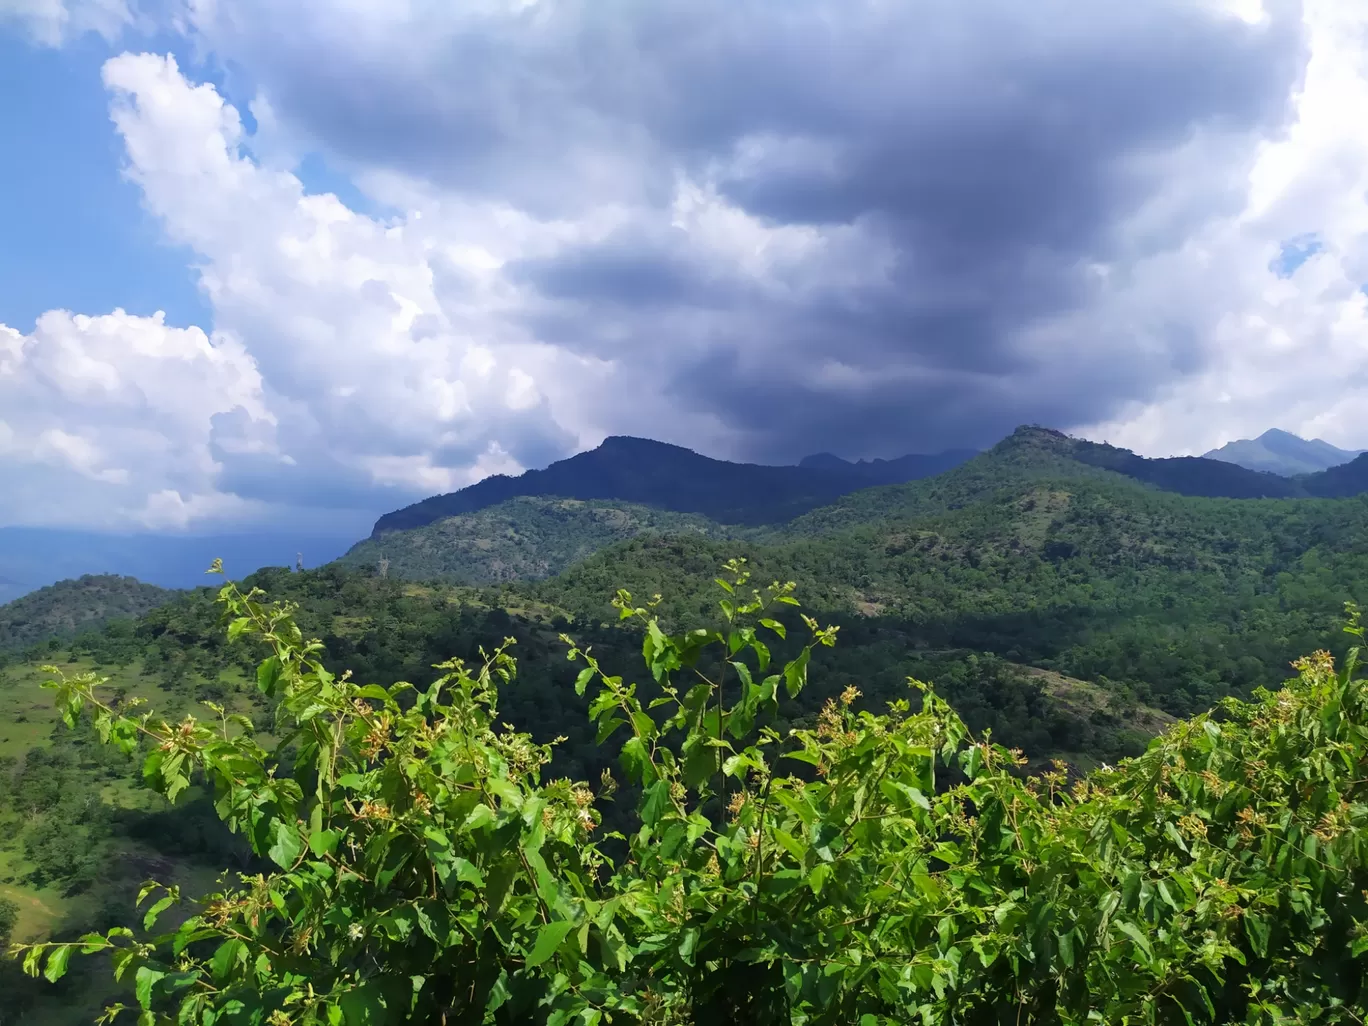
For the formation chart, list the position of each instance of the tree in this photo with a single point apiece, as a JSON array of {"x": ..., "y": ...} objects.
[
  {"x": 873, "y": 869},
  {"x": 9, "y": 916}
]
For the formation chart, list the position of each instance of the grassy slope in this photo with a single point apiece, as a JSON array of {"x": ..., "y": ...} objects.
[{"x": 28, "y": 718}]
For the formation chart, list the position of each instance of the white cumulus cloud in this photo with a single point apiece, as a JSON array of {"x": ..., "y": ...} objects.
[
  {"x": 107, "y": 421},
  {"x": 1283, "y": 345},
  {"x": 385, "y": 363}
]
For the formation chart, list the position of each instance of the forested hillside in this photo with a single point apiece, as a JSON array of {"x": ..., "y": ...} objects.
[
  {"x": 61, "y": 610},
  {"x": 530, "y": 538},
  {"x": 520, "y": 539},
  {"x": 1025, "y": 552}
]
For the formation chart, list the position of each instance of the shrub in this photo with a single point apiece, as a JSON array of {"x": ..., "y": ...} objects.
[{"x": 873, "y": 869}]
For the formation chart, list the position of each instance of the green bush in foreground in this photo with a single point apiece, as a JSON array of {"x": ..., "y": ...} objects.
[{"x": 422, "y": 872}]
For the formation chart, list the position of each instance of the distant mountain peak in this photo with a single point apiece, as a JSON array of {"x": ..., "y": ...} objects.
[
  {"x": 631, "y": 443},
  {"x": 1281, "y": 452}
]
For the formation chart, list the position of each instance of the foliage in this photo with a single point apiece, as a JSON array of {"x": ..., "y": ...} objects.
[
  {"x": 1336, "y": 482},
  {"x": 387, "y": 631},
  {"x": 871, "y": 869},
  {"x": 1181, "y": 600}
]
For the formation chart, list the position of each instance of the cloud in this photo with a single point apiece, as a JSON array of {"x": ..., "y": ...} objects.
[
  {"x": 811, "y": 225},
  {"x": 53, "y": 22},
  {"x": 755, "y": 228},
  {"x": 106, "y": 421},
  {"x": 1281, "y": 285},
  {"x": 380, "y": 388}
]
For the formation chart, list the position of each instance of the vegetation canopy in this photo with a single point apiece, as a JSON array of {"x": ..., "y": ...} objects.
[{"x": 415, "y": 867}]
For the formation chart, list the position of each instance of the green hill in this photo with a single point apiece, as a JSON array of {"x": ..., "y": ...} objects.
[
  {"x": 535, "y": 536},
  {"x": 62, "y": 609},
  {"x": 1038, "y": 551},
  {"x": 525, "y": 538},
  {"x": 1045, "y": 561}
]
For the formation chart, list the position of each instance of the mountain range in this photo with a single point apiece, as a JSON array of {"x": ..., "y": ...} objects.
[
  {"x": 1050, "y": 551},
  {"x": 542, "y": 521},
  {"x": 1070, "y": 596},
  {"x": 646, "y": 472},
  {"x": 1281, "y": 452},
  {"x": 627, "y": 486},
  {"x": 643, "y": 472}
]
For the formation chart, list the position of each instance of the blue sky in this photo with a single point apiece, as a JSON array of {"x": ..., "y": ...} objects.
[
  {"x": 398, "y": 248},
  {"x": 76, "y": 236}
]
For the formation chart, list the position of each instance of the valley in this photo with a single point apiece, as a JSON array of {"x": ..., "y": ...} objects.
[{"x": 1072, "y": 599}]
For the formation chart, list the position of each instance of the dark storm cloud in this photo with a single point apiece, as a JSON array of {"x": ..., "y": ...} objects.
[
  {"x": 631, "y": 270},
  {"x": 991, "y": 150}
]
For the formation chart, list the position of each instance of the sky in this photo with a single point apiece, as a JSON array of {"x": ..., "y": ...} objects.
[{"x": 284, "y": 262}]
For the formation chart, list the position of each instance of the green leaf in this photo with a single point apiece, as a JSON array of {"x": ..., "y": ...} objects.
[
  {"x": 645, "y": 726},
  {"x": 57, "y": 963},
  {"x": 364, "y": 1006},
  {"x": 481, "y": 815},
  {"x": 268, "y": 675},
  {"x": 1065, "y": 942},
  {"x": 1257, "y": 929},
  {"x": 549, "y": 939},
  {"x": 635, "y": 759},
  {"x": 157, "y": 909},
  {"x": 700, "y": 762},
  {"x": 818, "y": 877},
  {"x": 146, "y": 978},
  {"x": 775, "y": 626},
  {"x": 375, "y": 691},
  {"x": 1136, "y": 934},
  {"x": 583, "y": 679},
  {"x": 657, "y": 801},
  {"x": 795, "y": 673},
  {"x": 93, "y": 942},
  {"x": 465, "y": 870},
  {"x": 323, "y": 842},
  {"x": 498, "y": 992},
  {"x": 229, "y": 953},
  {"x": 762, "y": 653},
  {"x": 287, "y": 847}
]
